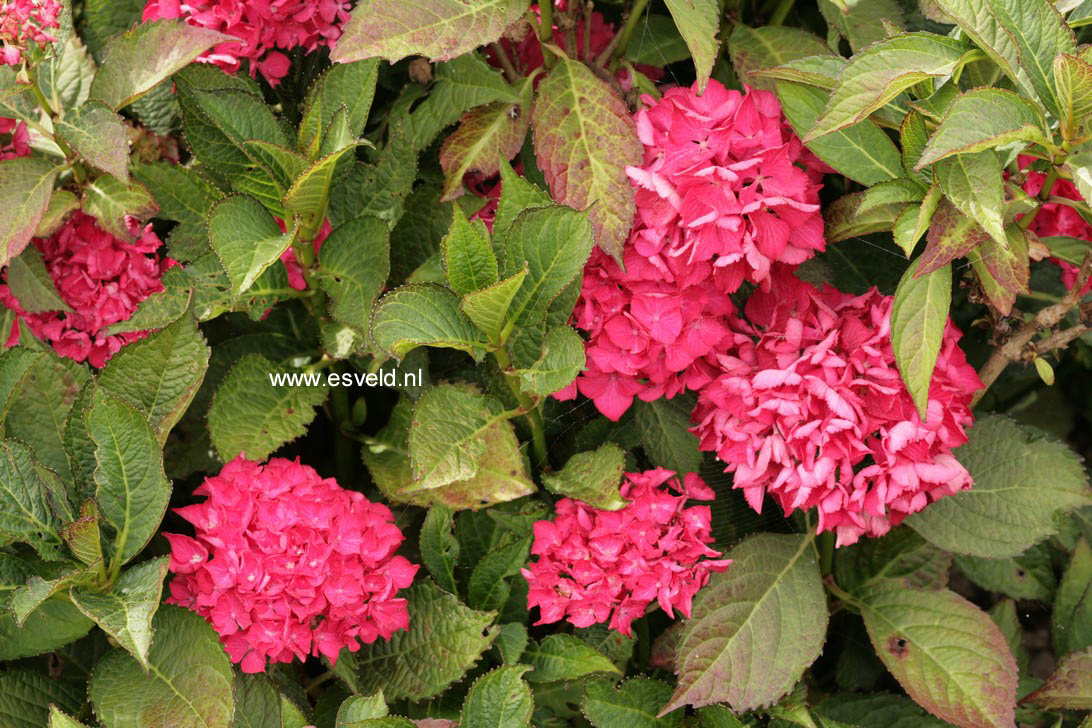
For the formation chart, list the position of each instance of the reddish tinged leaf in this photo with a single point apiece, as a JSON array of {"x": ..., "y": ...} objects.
[
  {"x": 485, "y": 134},
  {"x": 438, "y": 29},
  {"x": 951, "y": 235},
  {"x": 584, "y": 140},
  {"x": 1069, "y": 686},
  {"x": 26, "y": 186}
]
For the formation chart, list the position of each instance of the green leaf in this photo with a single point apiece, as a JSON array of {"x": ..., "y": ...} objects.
[
  {"x": 246, "y": 240},
  {"x": 82, "y": 535},
  {"x": 30, "y": 498},
  {"x": 131, "y": 489},
  {"x": 973, "y": 183},
  {"x": 1069, "y": 686},
  {"x": 511, "y": 641},
  {"x": 487, "y": 588},
  {"x": 878, "y": 74},
  {"x": 656, "y": 42},
  {"x": 1071, "y": 621},
  {"x": 664, "y": 427},
  {"x": 349, "y": 85},
  {"x": 517, "y": 194},
  {"x": 919, "y": 316},
  {"x": 160, "y": 310},
  {"x": 981, "y": 119},
  {"x": 61, "y": 204},
  {"x": 584, "y": 140},
  {"x": 564, "y": 657},
  {"x": 886, "y": 194},
  {"x": 1023, "y": 482},
  {"x": 182, "y": 193},
  {"x": 1080, "y": 167},
  {"x": 26, "y": 184},
  {"x": 1021, "y": 36},
  {"x": 309, "y": 195},
  {"x": 952, "y": 234},
  {"x": 488, "y": 307},
  {"x": 26, "y": 697},
  {"x": 875, "y": 710},
  {"x": 945, "y": 652},
  {"x": 109, "y": 200},
  {"x": 27, "y": 598},
  {"x": 57, "y": 719},
  {"x": 446, "y": 440},
  {"x": 561, "y": 360},
  {"x": 592, "y": 477},
  {"x": 65, "y": 79},
  {"x": 861, "y": 152},
  {"x": 819, "y": 71},
  {"x": 1027, "y": 576},
  {"x": 378, "y": 190},
  {"x": 902, "y": 558},
  {"x": 160, "y": 374},
  {"x": 1073, "y": 81},
  {"x": 501, "y": 697},
  {"x": 445, "y": 641},
  {"x": 98, "y": 135},
  {"x": 31, "y": 284},
  {"x": 755, "y": 630},
  {"x": 437, "y": 29},
  {"x": 257, "y": 702},
  {"x": 698, "y": 22},
  {"x": 361, "y": 708},
  {"x": 915, "y": 220},
  {"x": 423, "y": 314},
  {"x": 486, "y": 134},
  {"x": 189, "y": 682},
  {"x": 251, "y": 415},
  {"x": 755, "y": 49},
  {"x": 137, "y": 60},
  {"x": 439, "y": 547},
  {"x": 1004, "y": 269},
  {"x": 353, "y": 265},
  {"x": 861, "y": 21},
  {"x": 636, "y": 703},
  {"x": 554, "y": 243},
  {"x": 468, "y": 257},
  {"x": 126, "y": 611},
  {"x": 1071, "y": 250}
]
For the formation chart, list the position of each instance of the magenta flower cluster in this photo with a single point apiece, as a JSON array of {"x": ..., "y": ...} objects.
[
  {"x": 266, "y": 29},
  {"x": 102, "y": 279},
  {"x": 23, "y": 22},
  {"x": 595, "y": 565},
  {"x": 1055, "y": 218},
  {"x": 14, "y": 139},
  {"x": 286, "y": 564}
]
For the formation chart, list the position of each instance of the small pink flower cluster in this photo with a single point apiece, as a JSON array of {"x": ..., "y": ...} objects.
[
  {"x": 25, "y": 21},
  {"x": 814, "y": 392},
  {"x": 726, "y": 190},
  {"x": 292, "y": 264},
  {"x": 101, "y": 278},
  {"x": 596, "y": 565},
  {"x": 264, "y": 29},
  {"x": 1057, "y": 219},
  {"x": 287, "y": 564},
  {"x": 18, "y": 144}
]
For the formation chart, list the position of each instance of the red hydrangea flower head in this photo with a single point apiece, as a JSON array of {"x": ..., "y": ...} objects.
[
  {"x": 23, "y": 22},
  {"x": 814, "y": 391},
  {"x": 287, "y": 564},
  {"x": 14, "y": 139},
  {"x": 724, "y": 181},
  {"x": 102, "y": 280},
  {"x": 594, "y": 565},
  {"x": 1057, "y": 219},
  {"x": 264, "y": 28}
]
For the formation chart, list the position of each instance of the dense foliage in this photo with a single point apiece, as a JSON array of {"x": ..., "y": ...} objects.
[{"x": 640, "y": 363}]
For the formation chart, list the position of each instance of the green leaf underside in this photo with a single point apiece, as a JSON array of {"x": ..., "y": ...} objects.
[
  {"x": 423, "y": 314},
  {"x": 246, "y": 240}
]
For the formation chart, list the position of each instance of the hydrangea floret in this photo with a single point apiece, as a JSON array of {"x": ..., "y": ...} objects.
[
  {"x": 287, "y": 564},
  {"x": 23, "y": 22},
  {"x": 609, "y": 566},
  {"x": 1056, "y": 218},
  {"x": 811, "y": 410},
  {"x": 14, "y": 139}
]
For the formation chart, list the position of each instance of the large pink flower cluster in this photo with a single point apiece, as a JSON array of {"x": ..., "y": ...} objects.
[
  {"x": 596, "y": 565},
  {"x": 811, "y": 410},
  {"x": 1057, "y": 219},
  {"x": 14, "y": 139},
  {"x": 264, "y": 28},
  {"x": 725, "y": 191},
  {"x": 102, "y": 280},
  {"x": 23, "y": 22},
  {"x": 287, "y": 564}
]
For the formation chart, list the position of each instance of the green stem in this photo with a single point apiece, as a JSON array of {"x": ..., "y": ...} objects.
[
  {"x": 626, "y": 34},
  {"x": 344, "y": 449},
  {"x": 825, "y": 545},
  {"x": 1044, "y": 195},
  {"x": 546, "y": 22},
  {"x": 529, "y": 410},
  {"x": 780, "y": 12}
]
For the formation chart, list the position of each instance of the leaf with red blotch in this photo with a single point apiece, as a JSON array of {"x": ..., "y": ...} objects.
[
  {"x": 951, "y": 235},
  {"x": 584, "y": 140},
  {"x": 1069, "y": 686},
  {"x": 24, "y": 197}
]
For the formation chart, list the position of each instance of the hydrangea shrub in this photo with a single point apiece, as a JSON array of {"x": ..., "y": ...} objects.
[{"x": 497, "y": 363}]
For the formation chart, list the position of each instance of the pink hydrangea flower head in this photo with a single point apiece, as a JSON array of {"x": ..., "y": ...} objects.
[
  {"x": 14, "y": 139},
  {"x": 286, "y": 564},
  {"x": 102, "y": 280},
  {"x": 1057, "y": 219},
  {"x": 814, "y": 391},
  {"x": 266, "y": 29},
  {"x": 23, "y": 22},
  {"x": 608, "y": 566},
  {"x": 725, "y": 181}
]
